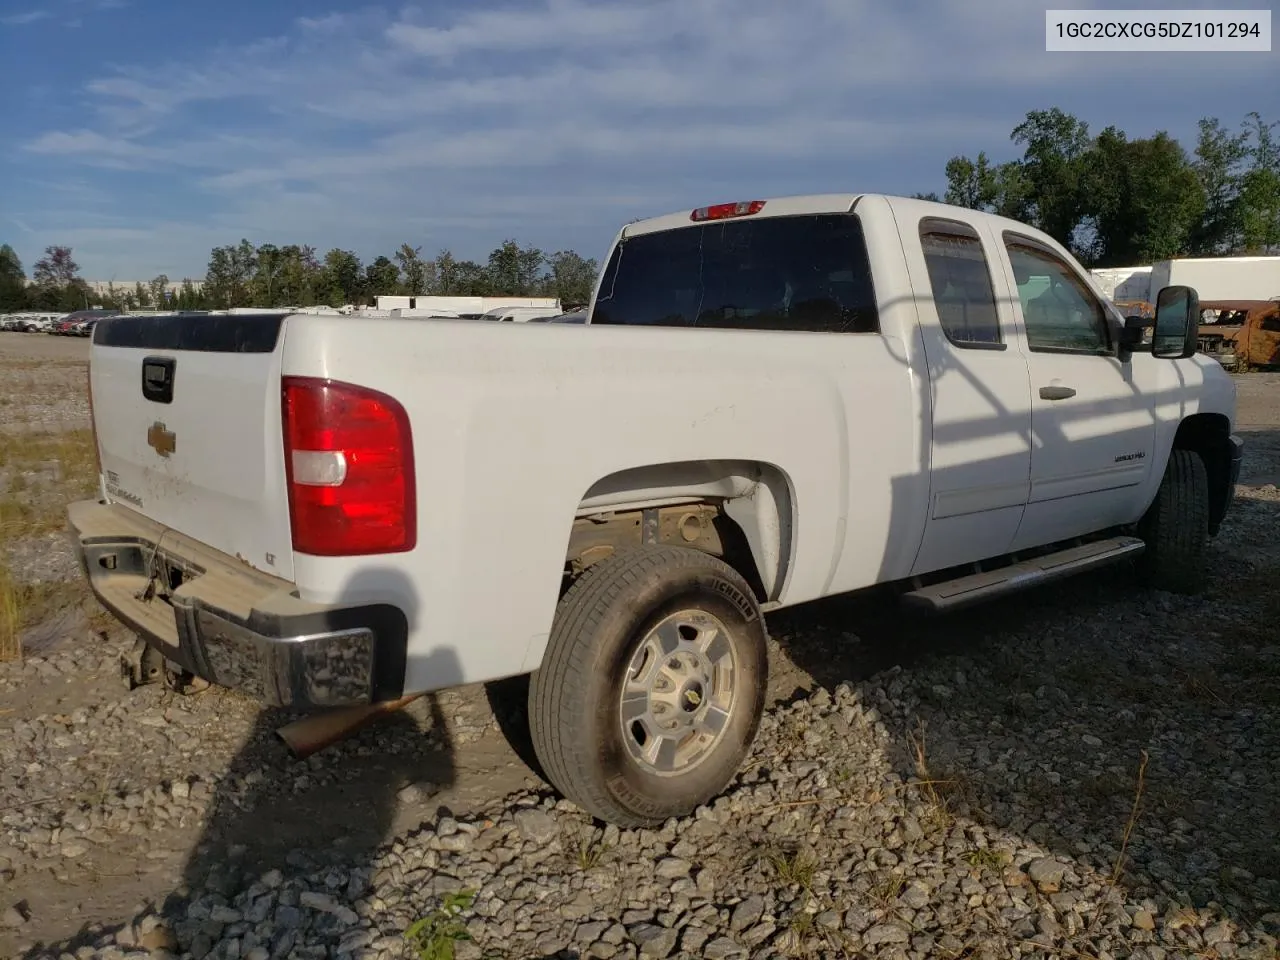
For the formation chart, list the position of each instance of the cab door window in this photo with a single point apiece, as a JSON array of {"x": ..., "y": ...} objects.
[{"x": 1060, "y": 313}]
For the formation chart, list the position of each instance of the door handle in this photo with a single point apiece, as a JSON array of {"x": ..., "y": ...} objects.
[{"x": 1056, "y": 393}]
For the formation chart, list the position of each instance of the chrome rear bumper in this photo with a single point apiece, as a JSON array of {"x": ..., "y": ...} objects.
[{"x": 234, "y": 625}]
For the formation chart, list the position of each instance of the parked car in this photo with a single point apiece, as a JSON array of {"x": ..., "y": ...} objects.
[
  {"x": 579, "y": 316},
  {"x": 66, "y": 326},
  {"x": 771, "y": 402},
  {"x": 26, "y": 322},
  {"x": 85, "y": 327},
  {"x": 517, "y": 314}
]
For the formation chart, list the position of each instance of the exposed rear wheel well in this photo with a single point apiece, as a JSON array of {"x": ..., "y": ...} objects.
[
  {"x": 1208, "y": 434},
  {"x": 701, "y": 525},
  {"x": 739, "y": 511}
]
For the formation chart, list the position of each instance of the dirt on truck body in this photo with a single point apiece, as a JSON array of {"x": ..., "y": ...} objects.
[{"x": 1241, "y": 334}]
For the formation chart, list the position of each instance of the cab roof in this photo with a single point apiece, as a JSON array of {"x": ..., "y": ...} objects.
[{"x": 769, "y": 207}]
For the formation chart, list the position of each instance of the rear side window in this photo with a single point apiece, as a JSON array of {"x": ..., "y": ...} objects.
[
  {"x": 960, "y": 280},
  {"x": 803, "y": 273}
]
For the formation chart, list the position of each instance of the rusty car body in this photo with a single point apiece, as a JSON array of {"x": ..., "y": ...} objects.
[{"x": 1241, "y": 334}]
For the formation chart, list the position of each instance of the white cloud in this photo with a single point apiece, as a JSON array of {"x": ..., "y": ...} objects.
[
  {"x": 27, "y": 16},
  {"x": 356, "y": 129},
  {"x": 69, "y": 6}
]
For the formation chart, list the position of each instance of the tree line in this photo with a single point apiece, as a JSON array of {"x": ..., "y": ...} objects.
[
  {"x": 1111, "y": 200},
  {"x": 266, "y": 275},
  {"x": 1116, "y": 201}
]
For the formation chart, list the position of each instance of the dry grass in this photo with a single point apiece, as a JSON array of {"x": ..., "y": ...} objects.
[
  {"x": 26, "y": 605},
  {"x": 939, "y": 792},
  {"x": 10, "y": 618},
  {"x": 39, "y": 474}
]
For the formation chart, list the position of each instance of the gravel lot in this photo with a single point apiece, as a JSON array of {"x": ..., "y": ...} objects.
[
  {"x": 1090, "y": 770},
  {"x": 42, "y": 382}
]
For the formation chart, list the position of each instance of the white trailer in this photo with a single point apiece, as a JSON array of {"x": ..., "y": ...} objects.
[
  {"x": 466, "y": 305},
  {"x": 1124, "y": 283},
  {"x": 1222, "y": 278}
]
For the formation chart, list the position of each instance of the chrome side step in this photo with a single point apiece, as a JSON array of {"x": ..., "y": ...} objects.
[{"x": 976, "y": 587}]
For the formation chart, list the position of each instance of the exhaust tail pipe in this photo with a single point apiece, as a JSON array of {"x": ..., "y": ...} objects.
[{"x": 314, "y": 732}]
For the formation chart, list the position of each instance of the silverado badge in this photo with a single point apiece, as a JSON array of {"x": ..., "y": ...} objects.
[{"x": 162, "y": 441}]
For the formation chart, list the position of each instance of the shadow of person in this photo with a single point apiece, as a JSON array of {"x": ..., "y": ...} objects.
[
  {"x": 323, "y": 817},
  {"x": 289, "y": 844}
]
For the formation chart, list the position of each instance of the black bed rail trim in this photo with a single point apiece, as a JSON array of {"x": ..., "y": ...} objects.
[{"x": 202, "y": 333}]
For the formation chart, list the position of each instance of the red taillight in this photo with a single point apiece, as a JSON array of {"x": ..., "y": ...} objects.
[
  {"x": 348, "y": 455},
  {"x": 723, "y": 211}
]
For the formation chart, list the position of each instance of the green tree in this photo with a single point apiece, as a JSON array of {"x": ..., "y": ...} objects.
[
  {"x": 1220, "y": 156},
  {"x": 416, "y": 271},
  {"x": 1055, "y": 146},
  {"x": 446, "y": 269},
  {"x": 343, "y": 277},
  {"x": 265, "y": 287},
  {"x": 1260, "y": 188},
  {"x": 382, "y": 277},
  {"x": 972, "y": 183},
  {"x": 1143, "y": 199},
  {"x": 158, "y": 288},
  {"x": 571, "y": 278},
  {"x": 515, "y": 271},
  {"x": 229, "y": 279},
  {"x": 298, "y": 278},
  {"x": 57, "y": 268},
  {"x": 219, "y": 278},
  {"x": 57, "y": 282},
  {"x": 473, "y": 280},
  {"x": 13, "y": 281},
  {"x": 976, "y": 184},
  {"x": 189, "y": 298},
  {"x": 142, "y": 296}
]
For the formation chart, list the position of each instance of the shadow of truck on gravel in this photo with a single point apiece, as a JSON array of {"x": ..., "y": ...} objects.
[
  {"x": 274, "y": 818},
  {"x": 1034, "y": 713}
]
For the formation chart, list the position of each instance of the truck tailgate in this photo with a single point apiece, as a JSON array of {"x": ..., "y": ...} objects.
[{"x": 187, "y": 415}]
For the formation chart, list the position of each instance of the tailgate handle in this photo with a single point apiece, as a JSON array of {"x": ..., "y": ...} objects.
[{"x": 157, "y": 378}]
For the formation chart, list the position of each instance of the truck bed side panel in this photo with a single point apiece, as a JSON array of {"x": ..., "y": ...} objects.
[{"x": 513, "y": 424}]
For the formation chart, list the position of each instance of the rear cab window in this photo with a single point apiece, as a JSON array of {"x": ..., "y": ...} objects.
[
  {"x": 804, "y": 273},
  {"x": 960, "y": 281}
]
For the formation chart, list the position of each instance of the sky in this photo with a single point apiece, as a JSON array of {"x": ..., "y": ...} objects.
[{"x": 142, "y": 133}]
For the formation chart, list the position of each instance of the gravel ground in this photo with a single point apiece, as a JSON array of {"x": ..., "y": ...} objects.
[
  {"x": 42, "y": 382},
  {"x": 1092, "y": 770}
]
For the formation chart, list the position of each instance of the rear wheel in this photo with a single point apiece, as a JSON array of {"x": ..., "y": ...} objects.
[
  {"x": 652, "y": 685},
  {"x": 1175, "y": 527}
]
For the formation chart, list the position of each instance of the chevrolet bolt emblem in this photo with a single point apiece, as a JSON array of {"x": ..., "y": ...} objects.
[
  {"x": 162, "y": 441},
  {"x": 693, "y": 697}
]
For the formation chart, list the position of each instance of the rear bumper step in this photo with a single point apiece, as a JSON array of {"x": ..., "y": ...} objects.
[
  {"x": 977, "y": 587},
  {"x": 231, "y": 624}
]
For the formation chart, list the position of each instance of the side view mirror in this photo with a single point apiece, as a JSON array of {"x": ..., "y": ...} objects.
[{"x": 1175, "y": 335}]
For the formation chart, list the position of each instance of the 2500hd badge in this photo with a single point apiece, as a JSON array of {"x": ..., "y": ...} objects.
[{"x": 119, "y": 492}]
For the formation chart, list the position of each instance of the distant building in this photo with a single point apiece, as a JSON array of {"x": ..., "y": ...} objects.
[{"x": 104, "y": 287}]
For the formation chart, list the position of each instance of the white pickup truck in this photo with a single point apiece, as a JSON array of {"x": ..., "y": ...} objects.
[{"x": 772, "y": 401}]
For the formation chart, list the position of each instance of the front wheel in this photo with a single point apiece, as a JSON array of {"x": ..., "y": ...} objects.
[
  {"x": 651, "y": 689},
  {"x": 1175, "y": 527}
]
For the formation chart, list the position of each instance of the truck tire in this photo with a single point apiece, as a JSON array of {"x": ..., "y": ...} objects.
[
  {"x": 1175, "y": 527},
  {"x": 652, "y": 686}
]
